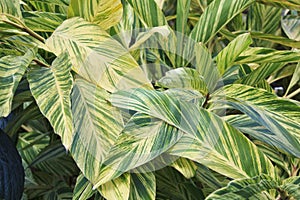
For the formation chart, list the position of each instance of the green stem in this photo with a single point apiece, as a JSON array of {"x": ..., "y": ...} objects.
[{"x": 23, "y": 27}]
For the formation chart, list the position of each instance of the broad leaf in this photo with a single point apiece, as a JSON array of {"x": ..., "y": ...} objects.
[
  {"x": 96, "y": 56},
  {"x": 290, "y": 4},
  {"x": 83, "y": 189},
  {"x": 184, "y": 78},
  {"x": 142, "y": 186},
  {"x": 292, "y": 187},
  {"x": 290, "y": 25},
  {"x": 12, "y": 69},
  {"x": 11, "y": 7},
  {"x": 102, "y": 12},
  {"x": 280, "y": 116},
  {"x": 97, "y": 125},
  {"x": 116, "y": 189},
  {"x": 51, "y": 88},
  {"x": 143, "y": 139},
  {"x": 245, "y": 188},
  {"x": 210, "y": 139}
]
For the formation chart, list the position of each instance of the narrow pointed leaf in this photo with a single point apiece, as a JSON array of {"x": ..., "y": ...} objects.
[
  {"x": 185, "y": 166},
  {"x": 292, "y": 187},
  {"x": 231, "y": 52},
  {"x": 51, "y": 88},
  {"x": 11, "y": 7},
  {"x": 216, "y": 16},
  {"x": 12, "y": 69},
  {"x": 295, "y": 78},
  {"x": 290, "y": 4},
  {"x": 102, "y": 12},
  {"x": 96, "y": 56},
  {"x": 83, "y": 189}
]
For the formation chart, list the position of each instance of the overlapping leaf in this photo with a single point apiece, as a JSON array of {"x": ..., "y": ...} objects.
[
  {"x": 96, "y": 56},
  {"x": 279, "y": 116},
  {"x": 143, "y": 186},
  {"x": 102, "y": 12},
  {"x": 290, "y": 4},
  {"x": 117, "y": 189},
  {"x": 12, "y": 69},
  {"x": 212, "y": 141},
  {"x": 97, "y": 125},
  {"x": 51, "y": 88}
]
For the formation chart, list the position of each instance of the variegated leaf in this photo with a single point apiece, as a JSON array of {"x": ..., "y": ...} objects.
[
  {"x": 12, "y": 69},
  {"x": 102, "y": 12},
  {"x": 96, "y": 56},
  {"x": 51, "y": 88}
]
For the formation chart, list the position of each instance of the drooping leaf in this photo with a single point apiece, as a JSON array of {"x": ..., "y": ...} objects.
[
  {"x": 143, "y": 139},
  {"x": 96, "y": 56},
  {"x": 290, "y": 4},
  {"x": 209, "y": 139},
  {"x": 185, "y": 78},
  {"x": 97, "y": 125},
  {"x": 12, "y": 69},
  {"x": 51, "y": 88},
  {"x": 279, "y": 116},
  {"x": 102, "y": 12},
  {"x": 245, "y": 188}
]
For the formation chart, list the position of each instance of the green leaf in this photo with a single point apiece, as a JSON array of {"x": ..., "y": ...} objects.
[
  {"x": 290, "y": 4},
  {"x": 12, "y": 69},
  {"x": 117, "y": 189},
  {"x": 184, "y": 78},
  {"x": 267, "y": 55},
  {"x": 43, "y": 21},
  {"x": 97, "y": 125},
  {"x": 96, "y": 56},
  {"x": 216, "y": 16},
  {"x": 295, "y": 78},
  {"x": 244, "y": 188},
  {"x": 143, "y": 139},
  {"x": 185, "y": 166},
  {"x": 209, "y": 140},
  {"x": 102, "y": 12},
  {"x": 292, "y": 187},
  {"x": 51, "y": 88},
  {"x": 148, "y": 12},
  {"x": 231, "y": 52},
  {"x": 280, "y": 116},
  {"x": 290, "y": 26},
  {"x": 142, "y": 186},
  {"x": 83, "y": 189},
  {"x": 11, "y": 7}
]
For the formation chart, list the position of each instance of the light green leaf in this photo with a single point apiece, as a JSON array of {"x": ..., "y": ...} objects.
[
  {"x": 96, "y": 56},
  {"x": 117, "y": 189},
  {"x": 245, "y": 188},
  {"x": 149, "y": 13},
  {"x": 295, "y": 78},
  {"x": 212, "y": 142},
  {"x": 83, "y": 189},
  {"x": 43, "y": 21},
  {"x": 97, "y": 125},
  {"x": 290, "y": 25},
  {"x": 292, "y": 187},
  {"x": 231, "y": 52},
  {"x": 11, "y": 7},
  {"x": 185, "y": 166},
  {"x": 280, "y": 116},
  {"x": 184, "y": 78},
  {"x": 102, "y": 12},
  {"x": 142, "y": 186},
  {"x": 216, "y": 16},
  {"x": 12, "y": 69},
  {"x": 267, "y": 55},
  {"x": 143, "y": 139},
  {"x": 51, "y": 88},
  {"x": 290, "y": 4}
]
